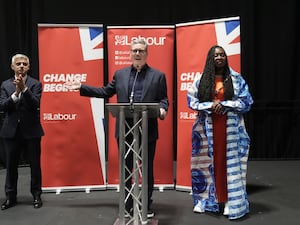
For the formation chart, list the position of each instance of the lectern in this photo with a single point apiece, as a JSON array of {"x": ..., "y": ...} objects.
[{"x": 139, "y": 112}]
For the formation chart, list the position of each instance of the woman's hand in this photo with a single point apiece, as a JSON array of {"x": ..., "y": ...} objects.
[{"x": 217, "y": 107}]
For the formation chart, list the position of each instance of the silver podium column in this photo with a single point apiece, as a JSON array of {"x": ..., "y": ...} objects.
[{"x": 139, "y": 193}]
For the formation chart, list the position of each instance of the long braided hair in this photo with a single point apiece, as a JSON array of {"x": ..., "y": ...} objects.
[{"x": 206, "y": 88}]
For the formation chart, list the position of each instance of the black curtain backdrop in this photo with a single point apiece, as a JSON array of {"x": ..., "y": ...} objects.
[{"x": 269, "y": 41}]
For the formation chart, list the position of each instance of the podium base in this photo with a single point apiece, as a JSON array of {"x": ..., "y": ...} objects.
[{"x": 149, "y": 222}]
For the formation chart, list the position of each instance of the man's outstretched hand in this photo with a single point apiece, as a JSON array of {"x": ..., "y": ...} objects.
[{"x": 73, "y": 85}]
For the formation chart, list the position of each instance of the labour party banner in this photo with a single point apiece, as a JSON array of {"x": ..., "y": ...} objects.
[
  {"x": 73, "y": 148},
  {"x": 161, "y": 54},
  {"x": 193, "y": 42}
]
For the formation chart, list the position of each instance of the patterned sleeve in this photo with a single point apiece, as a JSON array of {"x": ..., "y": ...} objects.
[
  {"x": 242, "y": 100},
  {"x": 192, "y": 98}
]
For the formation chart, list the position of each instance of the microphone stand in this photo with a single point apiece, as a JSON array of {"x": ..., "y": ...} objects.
[{"x": 132, "y": 92}]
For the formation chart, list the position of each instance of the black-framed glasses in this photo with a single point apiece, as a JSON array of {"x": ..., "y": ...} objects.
[{"x": 136, "y": 51}]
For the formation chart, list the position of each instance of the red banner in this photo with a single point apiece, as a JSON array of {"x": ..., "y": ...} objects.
[
  {"x": 73, "y": 148},
  {"x": 193, "y": 40},
  {"x": 161, "y": 54}
]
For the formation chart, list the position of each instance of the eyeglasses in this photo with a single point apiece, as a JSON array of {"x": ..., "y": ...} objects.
[{"x": 141, "y": 51}]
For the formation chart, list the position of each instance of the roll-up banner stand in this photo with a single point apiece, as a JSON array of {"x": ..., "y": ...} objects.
[
  {"x": 73, "y": 148},
  {"x": 161, "y": 56},
  {"x": 193, "y": 40}
]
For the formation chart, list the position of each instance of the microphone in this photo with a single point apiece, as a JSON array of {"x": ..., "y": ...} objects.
[{"x": 132, "y": 89}]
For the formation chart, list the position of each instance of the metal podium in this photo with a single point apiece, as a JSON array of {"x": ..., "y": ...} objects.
[{"x": 139, "y": 112}]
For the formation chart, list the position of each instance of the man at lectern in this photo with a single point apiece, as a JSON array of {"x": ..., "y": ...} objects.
[{"x": 136, "y": 83}]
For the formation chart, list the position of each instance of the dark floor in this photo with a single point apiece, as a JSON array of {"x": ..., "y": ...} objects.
[{"x": 273, "y": 189}]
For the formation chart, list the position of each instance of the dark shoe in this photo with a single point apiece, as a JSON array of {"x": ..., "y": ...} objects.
[
  {"x": 150, "y": 214},
  {"x": 37, "y": 202},
  {"x": 8, "y": 204}
]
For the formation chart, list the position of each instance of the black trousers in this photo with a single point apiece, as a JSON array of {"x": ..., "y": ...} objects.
[{"x": 32, "y": 152}]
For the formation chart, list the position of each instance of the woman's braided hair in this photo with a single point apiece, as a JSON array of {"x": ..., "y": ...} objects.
[{"x": 206, "y": 88}]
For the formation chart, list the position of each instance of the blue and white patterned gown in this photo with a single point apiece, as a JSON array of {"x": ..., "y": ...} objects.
[{"x": 238, "y": 143}]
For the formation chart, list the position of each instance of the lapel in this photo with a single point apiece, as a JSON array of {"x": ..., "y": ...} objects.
[
  {"x": 28, "y": 81},
  {"x": 11, "y": 88},
  {"x": 126, "y": 77},
  {"x": 147, "y": 82}
]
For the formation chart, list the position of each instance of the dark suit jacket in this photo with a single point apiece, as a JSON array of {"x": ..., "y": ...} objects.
[
  {"x": 25, "y": 114},
  {"x": 154, "y": 91}
]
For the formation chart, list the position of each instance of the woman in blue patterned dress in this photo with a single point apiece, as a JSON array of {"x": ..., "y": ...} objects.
[{"x": 220, "y": 143}]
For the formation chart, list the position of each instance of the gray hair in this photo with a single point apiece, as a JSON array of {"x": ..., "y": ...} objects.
[
  {"x": 16, "y": 56},
  {"x": 140, "y": 41}
]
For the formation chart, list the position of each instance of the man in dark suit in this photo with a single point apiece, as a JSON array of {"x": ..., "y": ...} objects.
[
  {"x": 21, "y": 129},
  {"x": 149, "y": 86}
]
